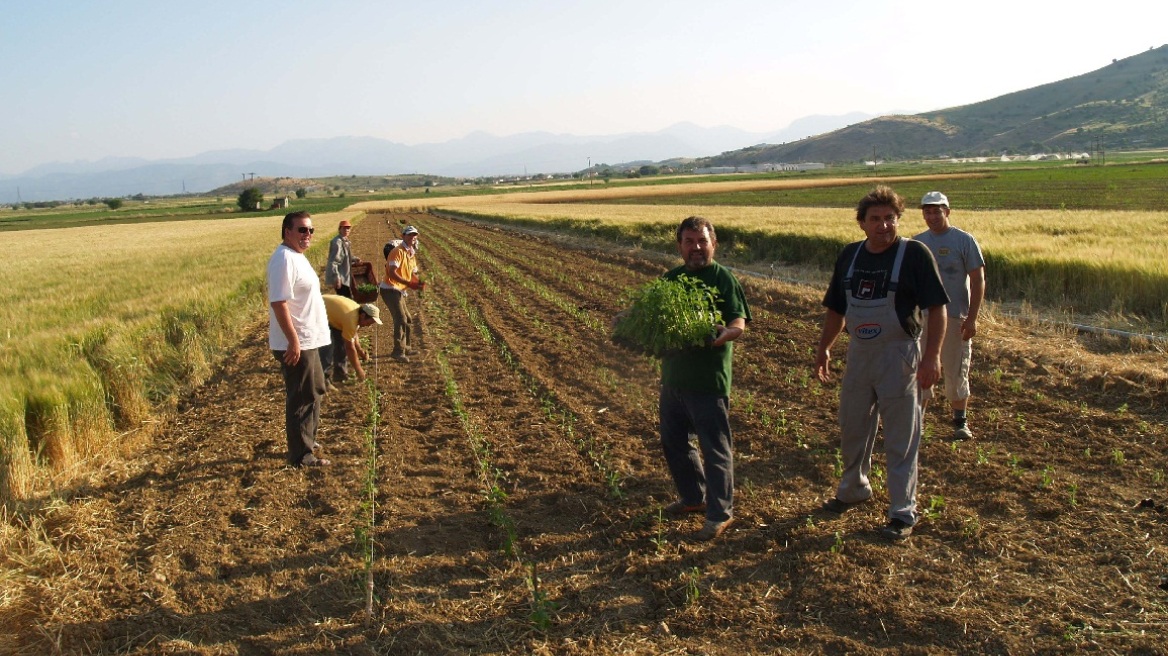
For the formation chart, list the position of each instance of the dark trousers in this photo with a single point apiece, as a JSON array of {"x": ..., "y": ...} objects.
[
  {"x": 707, "y": 416},
  {"x": 304, "y": 386},
  {"x": 334, "y": 359},
  {"x": 401, "y": 319},
  {"x": 345, "y": 290}
]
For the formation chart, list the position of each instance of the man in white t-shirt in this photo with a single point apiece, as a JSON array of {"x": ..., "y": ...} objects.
[
  {"x": 962, "y": 269},
  {"x": 297, "y": 329}
]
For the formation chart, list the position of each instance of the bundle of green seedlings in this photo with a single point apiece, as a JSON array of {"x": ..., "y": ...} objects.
[
  {"x": 367, "y": 288},
  {"x": 669, "y": 316}
]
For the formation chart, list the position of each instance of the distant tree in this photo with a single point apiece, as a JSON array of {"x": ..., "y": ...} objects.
[
  {"x": 301, "y": 192},
  {"x": 113, "y": 203},
  {"x": 648, "y": 170},
  {"x": 249, "y": 199}
]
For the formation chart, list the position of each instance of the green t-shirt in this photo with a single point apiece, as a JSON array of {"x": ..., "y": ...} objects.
[{"x": 707, "y": 369}]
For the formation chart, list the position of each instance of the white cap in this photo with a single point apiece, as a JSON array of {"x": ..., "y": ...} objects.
[{"x": 935, "y": 198}]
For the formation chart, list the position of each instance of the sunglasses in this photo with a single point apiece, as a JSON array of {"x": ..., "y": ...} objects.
[{"x": 304, "y": 229}]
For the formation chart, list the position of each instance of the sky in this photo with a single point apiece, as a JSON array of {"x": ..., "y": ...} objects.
[{"x": 83, "y": 80}]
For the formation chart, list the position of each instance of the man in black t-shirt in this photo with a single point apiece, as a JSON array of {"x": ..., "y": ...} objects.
[{"x": 881, "y": 285}]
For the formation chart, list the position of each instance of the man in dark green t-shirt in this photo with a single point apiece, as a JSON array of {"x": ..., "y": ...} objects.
[{"x": 695, "y": 391}]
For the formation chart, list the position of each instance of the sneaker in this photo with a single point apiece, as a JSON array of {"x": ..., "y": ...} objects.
[
  {"x": 711, "y": 529},
  {"x": 962, "y": 433},
  {"x": 838, "y": 506},
  {"x": 681, "y": 509},
  {"x": 411, "y": 351},
  {"x": 896, "y": 529},
  {"x": 330, "y": 387},
  {"x": 400, "y": 357}
]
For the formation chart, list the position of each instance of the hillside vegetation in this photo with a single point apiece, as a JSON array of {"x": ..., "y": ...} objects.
[{"x": 1122, "y": 105}]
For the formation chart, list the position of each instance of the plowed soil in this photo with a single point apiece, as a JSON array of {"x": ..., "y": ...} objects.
[{"x": 519, "y": 483}]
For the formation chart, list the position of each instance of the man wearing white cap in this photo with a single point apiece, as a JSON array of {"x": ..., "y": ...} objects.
[
  {"x": 401, "y": 275},
  {"x": 963, "y": 272},
  {"x": 345, "y": 316}
]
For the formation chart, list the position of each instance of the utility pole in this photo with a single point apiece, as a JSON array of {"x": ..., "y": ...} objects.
[
  {"x": 589, "y": 171},
  {"x": 873, "y": 159}
]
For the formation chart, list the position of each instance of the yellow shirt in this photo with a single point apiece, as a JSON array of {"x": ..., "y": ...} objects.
[
  {"x": 405, "y": 261},
  {"x": 343, "y": 314}
]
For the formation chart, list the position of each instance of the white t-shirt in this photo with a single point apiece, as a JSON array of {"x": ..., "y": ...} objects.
[{"x": 291, "y": 278}]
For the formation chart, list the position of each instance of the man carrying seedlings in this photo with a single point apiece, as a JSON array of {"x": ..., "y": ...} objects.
[
  {"x": 338, "y": 271},
  {"x": 345, "y": 316},
  {"x": 878, "y": 289},
  {"x": 401, "y": 275},
  {"x": 963, "y": 272},
  {"x": 297, "y": 329},
  {"x": 695, "y": 391}
]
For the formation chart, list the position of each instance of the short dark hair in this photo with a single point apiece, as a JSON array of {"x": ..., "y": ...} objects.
[
  {"x": 696, "y": 223},
  {"x": 881, "y": 195},
  {"x": 290, "y": 217}
]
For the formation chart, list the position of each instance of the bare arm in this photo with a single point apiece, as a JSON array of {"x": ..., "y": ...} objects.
[
  {"x": 284, "y": 319},
  {"x": 351, "y": 347},
  {"x": 929, "y": 371},
  {"x": 833, "y": 325},
  {"x": 977, "y": 285},
  {"x": 731, "y": 332}
]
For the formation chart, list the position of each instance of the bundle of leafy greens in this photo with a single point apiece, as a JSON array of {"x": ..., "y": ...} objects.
[{"x": 669, "y": 316}]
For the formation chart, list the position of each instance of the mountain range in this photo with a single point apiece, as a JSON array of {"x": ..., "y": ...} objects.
[
  {"x": 477, "y": 154},
  {"x": 1123, "y": 105}
]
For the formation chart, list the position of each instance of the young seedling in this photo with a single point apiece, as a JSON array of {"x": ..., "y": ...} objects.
[
  {"x": 838, "y": 545},
  {"x": 691, "y": 578},
  {"x": 1047, "y": 477},
  {"x": 660, "y": 542},
  {"x": 1117, "y": 457},
  {"x": 541, "y": 607}
]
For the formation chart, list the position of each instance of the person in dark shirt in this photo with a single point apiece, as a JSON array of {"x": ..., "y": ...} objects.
[
  {"x": 879, "y": 288},
  {"x": 695, "y": 391}
]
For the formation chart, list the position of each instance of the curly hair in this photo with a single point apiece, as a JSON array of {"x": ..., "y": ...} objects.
[
  {"x": 881, "y": 195},
  {"x": 696, "y": 223}
]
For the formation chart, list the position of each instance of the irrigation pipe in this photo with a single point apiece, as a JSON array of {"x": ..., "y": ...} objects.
[{"x": 1078, "y": 327}]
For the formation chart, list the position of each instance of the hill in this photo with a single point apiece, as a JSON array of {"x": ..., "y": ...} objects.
[{"x": 1121, "y": 106}]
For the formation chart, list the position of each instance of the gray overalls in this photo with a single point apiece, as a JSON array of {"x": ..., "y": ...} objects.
[{"x": 880, "y": 385}]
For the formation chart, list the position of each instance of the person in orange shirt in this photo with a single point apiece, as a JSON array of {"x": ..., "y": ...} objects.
[{"x": 401, "y": 275}]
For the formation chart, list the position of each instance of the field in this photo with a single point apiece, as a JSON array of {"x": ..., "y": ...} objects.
[
  {"x": 1088, "y": 262},
  {"x": 105, "y": 325},
  {"x": 518, "y": 487}
]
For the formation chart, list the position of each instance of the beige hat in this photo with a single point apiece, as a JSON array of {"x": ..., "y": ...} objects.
[{"x": 372, "y": 312}]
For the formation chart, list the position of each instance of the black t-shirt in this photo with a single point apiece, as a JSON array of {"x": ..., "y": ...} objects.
[{"x": 920, "y": 283}]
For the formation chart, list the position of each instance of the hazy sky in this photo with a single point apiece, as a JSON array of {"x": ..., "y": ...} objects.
[{"x": 83, "y": 80}]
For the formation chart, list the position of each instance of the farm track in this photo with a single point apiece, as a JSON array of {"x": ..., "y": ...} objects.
[{"x": 210, "y": 545}]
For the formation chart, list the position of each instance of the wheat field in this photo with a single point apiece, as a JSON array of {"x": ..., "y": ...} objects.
[{"x": 103, "y": 325}]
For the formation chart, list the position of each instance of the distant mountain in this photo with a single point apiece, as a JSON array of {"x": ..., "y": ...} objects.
[
  {"x": 1122, "y": 105},
  {"x": 476, "y": 154}
]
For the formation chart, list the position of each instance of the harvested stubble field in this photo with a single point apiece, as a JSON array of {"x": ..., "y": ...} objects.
[{"x": 520, "y": 484}]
